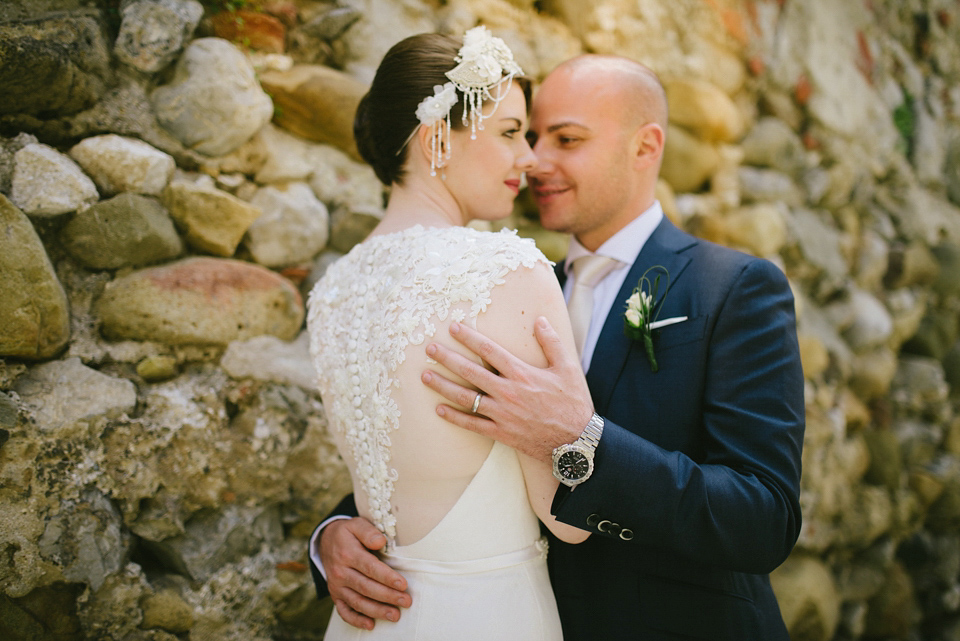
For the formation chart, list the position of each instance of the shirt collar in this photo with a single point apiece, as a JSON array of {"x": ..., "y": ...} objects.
[{"x": 623, "y": 246}]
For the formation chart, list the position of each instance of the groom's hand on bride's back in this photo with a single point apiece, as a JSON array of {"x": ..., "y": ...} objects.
[{"x": 363, "y": 587}]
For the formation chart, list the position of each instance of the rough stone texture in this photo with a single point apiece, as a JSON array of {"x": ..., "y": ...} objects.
[
  {"x": 214, "y": 103},
  {"x": 62, "y": 393},
  {"x": 119, "y": 163},
  {"x": 850, "y": 114},
  {"x": 213, "y": 220},
  {"x": 293, "y": 228},
  {"x": 48, "y": 183},
  {"x": 772, "y": 143},
  {"x": 53, "y": 65},
  {"x": 125, "y": 231},
  {"x": 688, "y": 161},
  {"x": 286, "y": 157},
  {"x": 86, "y": 539},
  {"x": 808, "y": 599},
  {"x": 316, "y": 103},
  {"x": 267, "y": 358},
  {"x": 251, "y": 28},
  {"x": 337, "y": 179},
  {"x": 201, "y": 300},
  {"x": 167, "y": 610},
  {"x": 153, "y": 32},
  {"x": 704, "y": 109},
  {"x": 34, "y": 317},
  {"x": 760, "y": 229}
]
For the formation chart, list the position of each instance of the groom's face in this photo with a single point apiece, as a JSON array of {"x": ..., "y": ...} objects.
[{"x": 577, "y": 133}]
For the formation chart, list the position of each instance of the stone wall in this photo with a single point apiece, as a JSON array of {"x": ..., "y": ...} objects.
[{"x": 174, "y": 178}]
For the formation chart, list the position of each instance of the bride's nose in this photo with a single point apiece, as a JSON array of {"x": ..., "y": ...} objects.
[{"x": 527, "y": 160}]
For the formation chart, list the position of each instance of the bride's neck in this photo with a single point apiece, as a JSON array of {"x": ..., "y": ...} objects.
[{"x": 420, "y": 202}]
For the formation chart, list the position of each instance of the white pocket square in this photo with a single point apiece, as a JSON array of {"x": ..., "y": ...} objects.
[{"x": 667, "y": 321}]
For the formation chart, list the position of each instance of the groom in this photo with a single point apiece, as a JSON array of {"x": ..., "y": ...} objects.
[{"x": 693, "y": 494}]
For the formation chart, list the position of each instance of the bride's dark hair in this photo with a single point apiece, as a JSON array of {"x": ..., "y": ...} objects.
[{"x": 387, "y": 113}]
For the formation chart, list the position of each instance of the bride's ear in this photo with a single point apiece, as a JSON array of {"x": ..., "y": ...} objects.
[{"x": 429, "y": 138}]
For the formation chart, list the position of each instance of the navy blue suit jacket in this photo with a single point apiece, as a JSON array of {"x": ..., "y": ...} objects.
[{"x": 695, "y": 494}]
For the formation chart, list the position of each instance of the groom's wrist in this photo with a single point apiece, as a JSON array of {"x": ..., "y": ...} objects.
[{"x": 573, "y": 463}]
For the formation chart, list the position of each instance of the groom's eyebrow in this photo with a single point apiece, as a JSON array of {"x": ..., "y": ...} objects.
[{"x": 563, "y": 125}]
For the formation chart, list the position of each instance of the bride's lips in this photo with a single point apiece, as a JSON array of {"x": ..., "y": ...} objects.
[{"x": 513, "y": 184}]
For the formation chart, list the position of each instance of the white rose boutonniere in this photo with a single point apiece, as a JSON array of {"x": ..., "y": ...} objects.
[{"x": 639, "y": 319}]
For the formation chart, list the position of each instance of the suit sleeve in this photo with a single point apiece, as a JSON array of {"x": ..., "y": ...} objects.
[
  {"x": 346, "y": 508},
  {"x": 732, "y": 500}
]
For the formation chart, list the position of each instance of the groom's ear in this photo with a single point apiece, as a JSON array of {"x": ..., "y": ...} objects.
[{"x": 647, "y": 144}]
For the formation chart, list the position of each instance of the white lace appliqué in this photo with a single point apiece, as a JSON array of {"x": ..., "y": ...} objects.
[{"x": 371, "y": 305}]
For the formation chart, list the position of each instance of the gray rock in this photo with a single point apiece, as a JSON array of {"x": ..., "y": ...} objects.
[
  {"x": 200, "y": 301},
  {"x": 53, "y": 65},
  {"x": 123, "y": 164},
  {"x": 61, "y": 393},
  {"x": 293, "y": 227},
  {"x": 267, "y": 358},
  {"x": 8, "y": 149},
  {"x": 819, "y": 244},
  {"x": 758, "y": 184},
  {"x": 86, "y": 539},
  {"x": 153, "y": 32},
  {"x": 214, "y": 102},
  {"x": 919, "y": 383},
  {"x": 331, "y": 24},
  {"x": 34, "y": 316},
  {"x": 772, "y": 143},
  {"x": 212, "y": 539},
  {"x": 48, "y": 183},
  {"x": 125, "y": 231},
  {"x": 9, "y": 412},
  {"x": 872, "y": 324}
]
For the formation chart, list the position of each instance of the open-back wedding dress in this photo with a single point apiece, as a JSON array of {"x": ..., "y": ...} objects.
[{"x": 452, "y": 504}]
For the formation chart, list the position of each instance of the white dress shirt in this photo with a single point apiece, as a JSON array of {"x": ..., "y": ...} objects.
[{"x": 623, "y": 247}]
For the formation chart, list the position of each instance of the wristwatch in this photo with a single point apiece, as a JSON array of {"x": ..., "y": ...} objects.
[{"x": 573, "y": 462}]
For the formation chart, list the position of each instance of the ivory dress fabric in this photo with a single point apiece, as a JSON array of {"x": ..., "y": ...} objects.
[{"x": 452, "y": 504}]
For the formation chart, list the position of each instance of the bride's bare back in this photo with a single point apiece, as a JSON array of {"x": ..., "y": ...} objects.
[{"x": 369, "y": 320}]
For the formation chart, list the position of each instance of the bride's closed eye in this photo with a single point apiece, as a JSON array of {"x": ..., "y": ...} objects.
[{"x": 510, "y": 133}]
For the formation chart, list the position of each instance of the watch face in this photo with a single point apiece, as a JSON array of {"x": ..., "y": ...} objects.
[{"x": 573, "y": 465}]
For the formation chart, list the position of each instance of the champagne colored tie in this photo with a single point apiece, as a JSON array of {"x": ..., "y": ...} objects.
[{"x": 587, "y": 272}]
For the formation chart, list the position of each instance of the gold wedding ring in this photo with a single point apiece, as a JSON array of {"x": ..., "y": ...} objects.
[{"x": 476, "y": 403}]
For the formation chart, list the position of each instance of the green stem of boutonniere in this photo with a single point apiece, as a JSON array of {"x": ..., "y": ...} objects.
[{"x": 640, "y": 310}]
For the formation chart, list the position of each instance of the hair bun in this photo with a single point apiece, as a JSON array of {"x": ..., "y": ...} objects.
[{"x": 363, "y": 133}]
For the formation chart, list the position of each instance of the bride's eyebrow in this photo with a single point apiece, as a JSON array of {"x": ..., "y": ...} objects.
[{"x": 509, "y": 118}]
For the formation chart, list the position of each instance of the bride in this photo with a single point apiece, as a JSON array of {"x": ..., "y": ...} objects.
[{"x": 443, "y": 125}]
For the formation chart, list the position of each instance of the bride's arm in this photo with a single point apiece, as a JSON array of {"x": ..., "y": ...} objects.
[{"x": 515, "y": 305}]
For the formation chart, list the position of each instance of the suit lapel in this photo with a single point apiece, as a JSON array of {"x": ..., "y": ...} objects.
[{"x": 664, "y": 247}]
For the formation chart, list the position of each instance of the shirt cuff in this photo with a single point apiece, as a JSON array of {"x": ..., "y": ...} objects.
[{"x": 314, "y": 553}]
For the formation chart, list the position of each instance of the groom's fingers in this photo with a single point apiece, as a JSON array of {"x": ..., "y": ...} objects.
[
  {"x": 467, "y": 369},
  {"x": 362, "y": 586},
  {"x": 501, "y": 360},
  {"x": 550, "y": 342}
]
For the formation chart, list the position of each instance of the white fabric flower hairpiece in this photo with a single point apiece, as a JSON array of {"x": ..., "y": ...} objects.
[{"x": 484, "y": 62}]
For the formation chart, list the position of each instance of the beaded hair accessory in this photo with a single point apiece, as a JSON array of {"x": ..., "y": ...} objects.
[{"x": 484, "y": 62}]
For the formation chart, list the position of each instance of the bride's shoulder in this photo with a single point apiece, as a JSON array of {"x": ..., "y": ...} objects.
[{"x": 507, "y": 243}]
